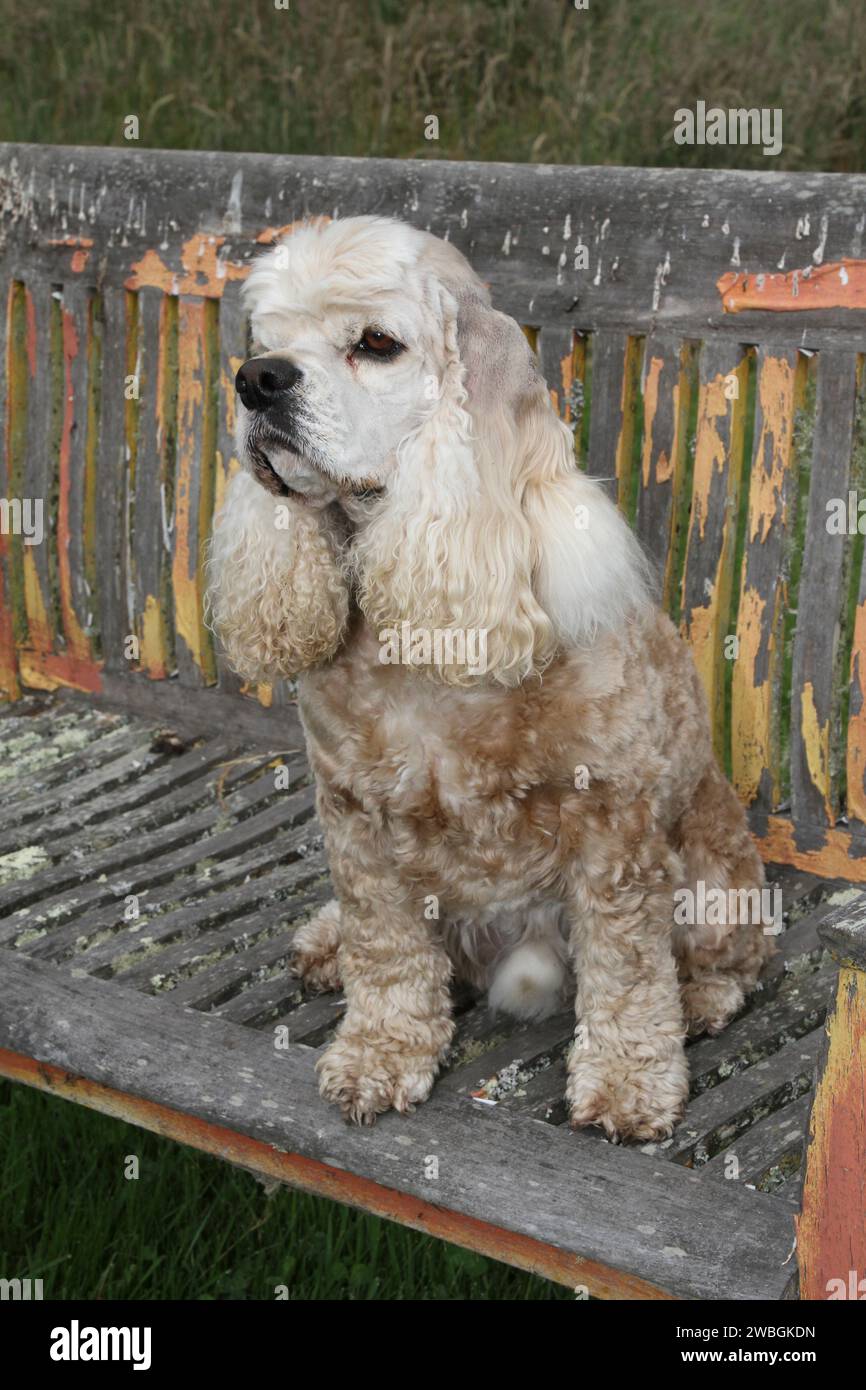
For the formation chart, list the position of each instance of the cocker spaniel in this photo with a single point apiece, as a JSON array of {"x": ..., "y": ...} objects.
[{"x": 510, "y": 741}]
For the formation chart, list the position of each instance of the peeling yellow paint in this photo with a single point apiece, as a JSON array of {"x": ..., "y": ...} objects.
[
  {"x": 153, "y": 639},
  {"x": 816, "y": 743},
  {"x": 778, "y": 398},
  {"x": 40, "y": 636},
  {"x": 706, "y": 624},
  {"x": 833, "y": 859},
  {"x": 750, "y": 701}
]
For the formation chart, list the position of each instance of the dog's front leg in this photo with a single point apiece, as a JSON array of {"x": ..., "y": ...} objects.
[
  {"x": 397, "y": 1024},
  {"x": 627, "y": 1070}
]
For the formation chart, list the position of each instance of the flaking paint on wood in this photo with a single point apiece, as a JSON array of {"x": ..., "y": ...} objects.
[
  {"x": 831, "y": 1229},
  {"x": 836, "y": 285},
  {"x": 756, "y": 675}
]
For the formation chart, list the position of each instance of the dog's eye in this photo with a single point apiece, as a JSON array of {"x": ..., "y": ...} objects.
[{"x": 377, "y": 344}]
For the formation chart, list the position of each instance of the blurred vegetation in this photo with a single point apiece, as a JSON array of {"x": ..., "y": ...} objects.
[{"x": 508, "y": 79}]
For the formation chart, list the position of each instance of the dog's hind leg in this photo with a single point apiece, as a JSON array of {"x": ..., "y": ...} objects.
[
  {"x": 719, "y": 961},
  {"x": 315, "y": 947}
]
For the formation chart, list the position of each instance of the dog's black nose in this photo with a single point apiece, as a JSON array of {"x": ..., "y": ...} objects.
[{"x": 262, "y": 379}]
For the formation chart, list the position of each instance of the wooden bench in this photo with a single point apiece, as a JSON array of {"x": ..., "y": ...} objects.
[{"x": 703, "y": 332}]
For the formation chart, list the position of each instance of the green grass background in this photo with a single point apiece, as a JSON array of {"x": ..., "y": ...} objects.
[
  {"x": 530, "y": 80},
  {"x": 508, "y": 79}
]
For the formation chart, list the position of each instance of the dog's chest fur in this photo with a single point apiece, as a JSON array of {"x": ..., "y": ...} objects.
[{"x": 477, "y": 786}]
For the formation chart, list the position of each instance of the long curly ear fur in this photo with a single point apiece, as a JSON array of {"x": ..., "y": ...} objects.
[
  {"x": 276, "y": 594},
  {"x": 489, "y": 527}
]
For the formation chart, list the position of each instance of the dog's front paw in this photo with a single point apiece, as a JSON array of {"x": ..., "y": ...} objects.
[
  {"x": 629, "y": 1098},
  {"x": 314, "y": 949},
  {"x": 366, "y": 1077},
  {"x": 710, "y": 1002}
]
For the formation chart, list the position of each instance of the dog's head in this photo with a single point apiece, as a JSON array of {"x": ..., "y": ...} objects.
[{"x": 383, "y": 383}]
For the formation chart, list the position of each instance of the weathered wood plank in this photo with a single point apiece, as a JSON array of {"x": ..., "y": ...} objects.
[
  {"x": 150, "y": 944},
  {"x": 831, "y": 1230},
  {"x": 154, "y": 858},
  {"x": 232, "y": 350},
  {"x": 13, "y": 377},
  {"x": 209, "y": 893},
  {"x": 112, "y": 481},
  {"x": 154, "y": 317},
  {"x": 667, "y": 381},
  {"x": 769, "y": 1154},
  {"x": 194, "y": 482},
  {"x": 616, "y": 359},
  {"x": 577, "y": 1194},
  {"x": 757, "y": 670},
  {"x": 657, "y": 243},
  {"x": 708, "y": 578},
  {"x": 37, "y": 475},
  {"x": 716, "y": 1117},
  {"x": 855, "y": 734},
  {"x": 843, "y": 931},
  {"x": 821, "y": 599},
  {"x": 76, "y": 503}
]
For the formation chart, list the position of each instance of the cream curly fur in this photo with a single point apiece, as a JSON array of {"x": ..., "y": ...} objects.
[{"x": 458, "y": 839}]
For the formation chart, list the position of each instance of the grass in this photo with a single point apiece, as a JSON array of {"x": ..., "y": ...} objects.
[
  {"x": 506, "y": 79},
  {"x": 191, "y": 1227}
]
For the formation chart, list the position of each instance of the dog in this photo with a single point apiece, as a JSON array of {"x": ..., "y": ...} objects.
[{"x": 510, "y": 741}]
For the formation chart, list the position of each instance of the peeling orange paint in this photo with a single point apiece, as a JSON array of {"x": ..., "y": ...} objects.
[
  {"x": 269, "y": 235},
  {"x": 836, "y": 285},
  {"x": 835, "y": 858},
  {"x": 194, "y": 481},
  {"x": 48, "y": 670},
  {"x": 831, "y": 1228},
  {"x": 80, "y": 247},
  {"x": 204, "y": 273},
  {"x": 664, "y": 465},
  {"x": 856, "y": 748},
  {"x": 187, "y": 605}
]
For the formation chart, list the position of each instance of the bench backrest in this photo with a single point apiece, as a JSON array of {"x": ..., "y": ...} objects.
[{"x": 703, "y": 332}]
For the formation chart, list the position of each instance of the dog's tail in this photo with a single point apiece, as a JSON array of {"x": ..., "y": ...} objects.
[{"x": 527, "y": 982}]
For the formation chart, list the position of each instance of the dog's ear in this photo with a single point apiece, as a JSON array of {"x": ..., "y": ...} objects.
[
  {"x": 276, "y": 594},
  {"x": 489, "y": 526}
]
